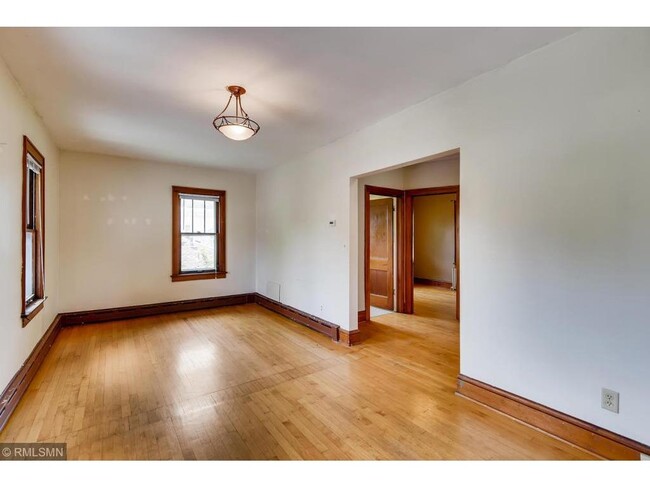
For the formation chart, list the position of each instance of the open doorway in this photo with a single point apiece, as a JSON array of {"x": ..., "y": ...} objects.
[
  {"x": 411, "y": 251},
  {"x": 411, "y": 256},
  {"x": 383, "y": 250},
  {"x": 433, "y": 254}
]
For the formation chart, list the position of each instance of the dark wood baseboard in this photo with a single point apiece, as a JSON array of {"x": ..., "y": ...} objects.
[
  {"x": 426, "y": 281},
  {"x": 361, "y": 316},
  {"x": 349, "y": 338},
  {"x": 21, "y": 380},
  {"x": 589, "y": 437},
  {"x": 124, "y": 313},
  {"x": 311, "y": 321}
]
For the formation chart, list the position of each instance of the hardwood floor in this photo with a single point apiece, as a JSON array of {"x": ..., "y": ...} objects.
[
  {"x": 244, "y": 383},
  {"x": 435, "y": 302}
]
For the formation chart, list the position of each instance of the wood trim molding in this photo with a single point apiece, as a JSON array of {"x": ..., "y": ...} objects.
[
  {"x": 123, "y": 313},
  {"x": 434, "y": 190},
  {"x": 303, "y": 318},
  {"x": 383, "y": 191},
  {"x": 349, "y": 337},
  {"x": 361, "y": 318},
  {"x": 32, "y": 310},
  {"x": 211, "y": 275},
  {"x": 589, "y": 437},
  {"x": 427, "y": 281},
  {"x": 21, "y": 380}
]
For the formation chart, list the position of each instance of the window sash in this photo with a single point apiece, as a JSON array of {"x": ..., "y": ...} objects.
[
  {"x": 214, "y": 257},
  {"x": 191, "y": 196},
  {"x": 33, "y": 261},
  {"x": 33, "y": 165},
  {"x": 31, "y": 244},
  {"x": 192, "y": 214}
]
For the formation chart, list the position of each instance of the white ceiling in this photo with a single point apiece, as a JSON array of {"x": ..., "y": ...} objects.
[{"x": 153, "y": 92}]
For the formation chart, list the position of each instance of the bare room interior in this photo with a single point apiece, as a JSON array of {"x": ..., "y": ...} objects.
[{"x": 344, "y": 243}]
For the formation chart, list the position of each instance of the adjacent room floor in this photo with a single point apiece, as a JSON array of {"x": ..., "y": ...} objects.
[
  {"x": 434, "y": 302},
  {"x": 244, "y": 383}
]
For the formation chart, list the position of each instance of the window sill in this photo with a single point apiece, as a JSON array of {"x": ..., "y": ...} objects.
[
  {"x": 198, "y": 276},
  {"x": 32, "y": 310}
]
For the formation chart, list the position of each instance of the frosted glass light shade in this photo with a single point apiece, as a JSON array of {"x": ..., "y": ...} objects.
[
  {"x": 236, "y": 132},
  {"x": 236, "y": 128}
]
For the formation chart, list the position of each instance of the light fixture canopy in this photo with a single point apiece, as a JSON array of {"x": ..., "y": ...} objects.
[{"x": 239, "y": 126}]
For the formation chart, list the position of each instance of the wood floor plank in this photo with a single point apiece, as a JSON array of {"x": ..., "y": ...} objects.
[{"x": 242, "y": 382}]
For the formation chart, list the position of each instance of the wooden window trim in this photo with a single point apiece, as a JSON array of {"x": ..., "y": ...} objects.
[
  {"x": 221, "y": 272},
  {"x": 29, "y": 310}
]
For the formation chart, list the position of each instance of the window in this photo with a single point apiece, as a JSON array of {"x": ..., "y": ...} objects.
[
  {"x": 199, "y": 234},
  {"x": 33, "y": 234}
]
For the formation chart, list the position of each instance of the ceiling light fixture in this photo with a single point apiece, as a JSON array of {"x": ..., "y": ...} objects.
[{"x": 239, "y": 126}]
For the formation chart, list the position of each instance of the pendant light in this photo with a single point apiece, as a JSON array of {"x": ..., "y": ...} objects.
[{"x": 238, "y": 126}]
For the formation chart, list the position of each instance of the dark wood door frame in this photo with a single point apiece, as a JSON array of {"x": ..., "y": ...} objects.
[
  {"x": 399, "y": 230},
  {"x": 408, "y": 238}
]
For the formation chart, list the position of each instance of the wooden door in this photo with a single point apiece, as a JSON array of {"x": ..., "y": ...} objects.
[{"x": 381, "y": 253}]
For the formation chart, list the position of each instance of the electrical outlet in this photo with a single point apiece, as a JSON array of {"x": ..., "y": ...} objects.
[{"x": 609, "y": 400}]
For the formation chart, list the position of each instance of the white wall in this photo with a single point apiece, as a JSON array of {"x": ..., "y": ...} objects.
[
  {"x": 553, "y": 221},
  {"x": 433, "y": 237},
  {"x": 444, "y": 172},
  {"x": 116, "y": 231},
  {"x": 18, "y": 118}
]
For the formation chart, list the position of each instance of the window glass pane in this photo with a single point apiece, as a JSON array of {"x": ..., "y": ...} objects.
[
  {"x": 199, "y": 215},
  {"x": 30, "y": 284},
  {"x": 30, "y": 199},
  {"x": 209, "y": 216},
  {"x": 198, "y": 253},
  {"x": 186, "y": 215},
  {"x": 182, "y": 213},
  {"x": 37, "y": 211}
]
